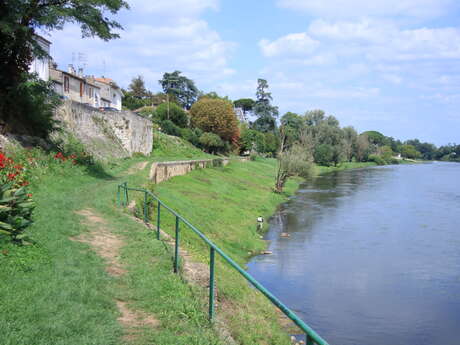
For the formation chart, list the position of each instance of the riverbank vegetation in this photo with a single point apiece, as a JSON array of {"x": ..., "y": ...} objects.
[{"x": 55, "y": 287}]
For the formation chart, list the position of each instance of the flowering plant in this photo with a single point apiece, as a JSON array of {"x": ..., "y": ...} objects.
[{"x": 16, "y": 205}]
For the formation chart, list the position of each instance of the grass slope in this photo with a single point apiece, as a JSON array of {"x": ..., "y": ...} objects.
[
  {"x": 57, "y": 291},
  {"x": 224, "y": 203},
  {"x": 168, "y": 147}
]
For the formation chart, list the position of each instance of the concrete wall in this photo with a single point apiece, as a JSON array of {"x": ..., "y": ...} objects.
[
  {"x": 106, "y": 134},
  {"x": 163, "y": 171}
]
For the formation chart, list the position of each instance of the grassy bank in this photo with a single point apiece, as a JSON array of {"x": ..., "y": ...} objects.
[
  {"x": 57, "y": 291},
  {"x": 224, "y": 203},
  {"x": 319, "y": 170}
]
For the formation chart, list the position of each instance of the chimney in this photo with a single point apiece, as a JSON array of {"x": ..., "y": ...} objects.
[
  {"x": 71, "y": 69},
  {"x": 80, "y": 72}
]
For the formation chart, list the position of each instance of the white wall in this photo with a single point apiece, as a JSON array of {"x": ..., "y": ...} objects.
[{"x": 41, "y": 66}]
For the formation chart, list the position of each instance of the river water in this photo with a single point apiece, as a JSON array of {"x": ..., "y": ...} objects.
[{"x": 373, "y": 256}]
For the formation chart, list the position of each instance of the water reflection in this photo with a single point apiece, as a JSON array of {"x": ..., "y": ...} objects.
[{"x": 372, "y": 255}]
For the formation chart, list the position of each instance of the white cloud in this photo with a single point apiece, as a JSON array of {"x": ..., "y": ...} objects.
[
  {"x": 371, "y": 39},
  {"x": 296, "y": 44},
  {"x": 159, "y": 36},
  {"x": 364, "y": 8}
]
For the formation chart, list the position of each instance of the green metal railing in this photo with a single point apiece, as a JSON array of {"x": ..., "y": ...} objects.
[{"x": 122, "y": 200}]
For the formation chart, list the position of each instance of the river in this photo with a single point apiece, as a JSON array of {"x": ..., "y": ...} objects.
[{"x": 373, "y": 256}]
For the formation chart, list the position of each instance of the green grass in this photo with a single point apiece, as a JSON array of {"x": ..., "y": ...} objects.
[
  {"x": 342, "y": 166},
  {"x": 168, "y": 147},
  {"x": 57, "y": 291},
  {"x": 224, "y": 203}
]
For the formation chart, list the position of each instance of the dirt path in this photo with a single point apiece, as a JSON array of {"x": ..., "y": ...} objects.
[
  {"x": 197, "y": 274},
  {"x": 107, "y": 245}
]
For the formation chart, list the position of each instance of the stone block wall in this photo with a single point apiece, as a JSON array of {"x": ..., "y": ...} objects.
[
  {"x": 163, "y": 171},
  {"x": 106, "y": 134}
]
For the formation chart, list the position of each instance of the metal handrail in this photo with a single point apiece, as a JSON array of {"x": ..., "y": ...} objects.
[{"x": 311, "y": 336}]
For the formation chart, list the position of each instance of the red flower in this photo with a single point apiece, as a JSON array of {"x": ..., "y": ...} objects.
[
  {"x": 11, "y": 176},
  {"x": 29, "y": 195},
  {"x": 25, "y": 183},
  {"x": 18, "y": 167}
]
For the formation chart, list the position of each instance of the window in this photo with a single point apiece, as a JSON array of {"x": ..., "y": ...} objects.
[
  {"x": 66, "y": 84},
  {"x": 81, "y": 89}
]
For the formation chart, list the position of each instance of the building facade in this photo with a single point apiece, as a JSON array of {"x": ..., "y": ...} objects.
[
  {"x": 75, "y": 86},
  {"x": 41, "y": 65},
  {"x": 110, "y": 91}
]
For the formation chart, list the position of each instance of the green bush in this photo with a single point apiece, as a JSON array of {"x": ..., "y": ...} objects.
[
  {"x": 177, "y": 115},
  {"x": 168, "y": 127},
  {"x": 377, "y": 159},
  {"x": 324, "y": 155},
  {"x": 191, "y": 135},
  {"x": 16, "y": 209},
  {"x": 211, "y": 142}
]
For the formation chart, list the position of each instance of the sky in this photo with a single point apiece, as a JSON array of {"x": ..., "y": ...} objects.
[{"x": 386, "y": 65}]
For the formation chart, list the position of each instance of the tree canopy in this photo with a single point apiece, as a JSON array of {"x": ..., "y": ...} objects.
[
  {"x": 266, "y": 113},
  {"x": 215, "y": 116},
  {"x": 181, "y": 87}
]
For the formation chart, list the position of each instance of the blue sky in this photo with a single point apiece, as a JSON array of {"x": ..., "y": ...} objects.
[{"x": 386, "y": 65}]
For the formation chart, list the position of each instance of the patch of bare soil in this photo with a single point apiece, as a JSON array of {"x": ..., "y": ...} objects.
[
  {"x": 107, "y": 246},
  {"x": 137, "y": 167}
]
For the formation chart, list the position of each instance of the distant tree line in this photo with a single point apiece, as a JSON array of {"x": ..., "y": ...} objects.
[{"x": 208, "y": 121}]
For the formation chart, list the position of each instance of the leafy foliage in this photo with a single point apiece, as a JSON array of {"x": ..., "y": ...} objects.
[
  {"x": 215, "y": 116},
  {"x": 247, "y": 104},
  {"x": 15, "y": 203},
  {"x": 265, "y": 112},
  {"x": 16, "y": 209},
  {"x": 182, "y": 88},
  {"x": 171, "y": 112},
  {"x": 211, "y": 142}
]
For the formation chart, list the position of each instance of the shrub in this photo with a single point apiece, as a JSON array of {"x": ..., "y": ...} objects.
[
  {"x": 16, "y": 205},
  {"x": 324, "y": 154},
  {"x": 215, "y": 116},
  {"x": 211, "y": 142},
  {"x": 176, "y": 114},
  {"x": 16, "y": 209},
  {"x": 191, "y": 135},
  {"x": 377, "y": 159},
  {"x": 168, "y": 127}
]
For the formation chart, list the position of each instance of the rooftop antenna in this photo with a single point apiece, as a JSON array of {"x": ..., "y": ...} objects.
[{"x": 82, "y": 59}]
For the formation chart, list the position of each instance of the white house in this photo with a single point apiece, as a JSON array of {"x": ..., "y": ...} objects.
[
  {"x": 111, "y": 93},
  {"x": 41, "y": 65}
]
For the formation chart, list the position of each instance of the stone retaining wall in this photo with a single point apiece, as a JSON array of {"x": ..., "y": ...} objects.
[
  {"x": 163, "y": 171},
  {"x": 109, "y": 133}
]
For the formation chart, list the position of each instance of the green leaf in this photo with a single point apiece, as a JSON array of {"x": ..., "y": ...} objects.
[{"x": 6, "y": 226}]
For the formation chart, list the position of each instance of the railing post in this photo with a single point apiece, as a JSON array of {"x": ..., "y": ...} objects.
[
  {"x": 211, "y": 284},
  {"x": 176, "y": 249},
  {"x": 126, "y": 194},
  {"x": 158, "y": 219},
  {"x": 118, "y": 196},
  {"x": 145, "y": 208},
  {"x": 309, "y": 340}
]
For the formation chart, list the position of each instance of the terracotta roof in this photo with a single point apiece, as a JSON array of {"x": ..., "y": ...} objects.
[{"x": 105, "y": 80}]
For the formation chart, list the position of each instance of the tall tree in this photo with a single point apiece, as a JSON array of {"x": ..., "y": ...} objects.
[
  {"x": 265, "y": 112},
  {"x": 18, "y": 24},
  {"x": 247, "y": 104},
  {"x": 181, "y": 87},
  {"x": 137, "y": 87}
]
